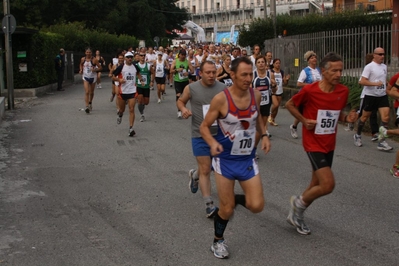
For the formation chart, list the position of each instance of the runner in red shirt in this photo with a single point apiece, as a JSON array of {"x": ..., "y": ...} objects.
[{"x": 322, "y": 103}]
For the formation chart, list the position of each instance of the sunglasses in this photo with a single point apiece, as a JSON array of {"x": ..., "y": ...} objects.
[
  {"x": 380, "y": 54},
  {"x": 129, "y": 56},
  {"x": 142, "y": 54}
]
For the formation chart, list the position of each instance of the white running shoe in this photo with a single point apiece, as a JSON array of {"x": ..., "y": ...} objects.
[
  {"x": 382, "y": 133},
  {"x": 219, "y": 249},
  {"x": 294, "y": 133},
  {"x": 357, "y": 140},
  {"x": 383, "y": 146},
  {"x": 142, "y": 119},
  {"x": 159, "y": 100}
]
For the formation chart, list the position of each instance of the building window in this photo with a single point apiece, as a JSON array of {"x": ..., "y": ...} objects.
[{"x": 193, "y": 10}]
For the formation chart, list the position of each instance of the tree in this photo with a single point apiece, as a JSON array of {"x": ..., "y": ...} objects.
[{"x": 142, "y": 18}]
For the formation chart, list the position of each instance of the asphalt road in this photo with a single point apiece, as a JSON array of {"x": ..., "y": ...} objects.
[{"x": 76, "y": 190}]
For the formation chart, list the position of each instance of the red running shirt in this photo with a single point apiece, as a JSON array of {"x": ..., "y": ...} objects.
[{"x": 325, "y": 108}]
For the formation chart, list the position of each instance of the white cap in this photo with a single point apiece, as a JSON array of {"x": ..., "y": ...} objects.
[{"x": 128, "y": 54}]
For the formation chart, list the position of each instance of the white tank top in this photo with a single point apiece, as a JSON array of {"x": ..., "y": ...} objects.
[{"x": 159, "y": 69}]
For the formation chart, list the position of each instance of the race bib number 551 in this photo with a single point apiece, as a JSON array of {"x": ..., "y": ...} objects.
[{"x": 326, "y": 122}]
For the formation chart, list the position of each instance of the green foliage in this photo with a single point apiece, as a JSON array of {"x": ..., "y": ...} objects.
[
  {"x": 78, "y": 38},
  {"x": 144, "y": 19},
  {"x": 41, "y": 49},
  {"x": 262, "y": 29},
  {"x": 355, "y": 89}
]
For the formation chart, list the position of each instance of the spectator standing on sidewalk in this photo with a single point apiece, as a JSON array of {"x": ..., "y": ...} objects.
[{"x": 59, "y": 63}]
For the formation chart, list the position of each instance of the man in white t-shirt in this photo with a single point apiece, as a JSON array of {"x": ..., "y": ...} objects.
[{"x": 373, "y": 80}]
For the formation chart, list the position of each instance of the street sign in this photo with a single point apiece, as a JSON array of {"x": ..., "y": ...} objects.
[{"x": 9, "y": 20}]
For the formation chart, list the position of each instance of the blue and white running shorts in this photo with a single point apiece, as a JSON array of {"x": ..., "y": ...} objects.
[{"x": 234, "y": 169}]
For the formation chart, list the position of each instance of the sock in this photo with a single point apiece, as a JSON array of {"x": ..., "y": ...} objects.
[
  {"x": 195, "y": 175},
  {"x": 384, "y": 124},
  {"x": 208, "y": 200},
  {"x": 294, "y": 126},
  {"x": 120, "y": 114},
  {"x": 240, "y": 199},
  {"x": 141, "y": 108},
  {"x": 300, "y": 203},
  {"x": 360, "y": 128},
  {"x": 220, "y": 226}
]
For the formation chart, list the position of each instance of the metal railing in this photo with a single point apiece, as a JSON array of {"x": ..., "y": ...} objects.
[{"x": 351, "y": 44}]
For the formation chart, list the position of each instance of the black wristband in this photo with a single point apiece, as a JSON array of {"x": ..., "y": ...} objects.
[
  {"x": 264, "y": 135},
  {"x": 396, "y": 86}
]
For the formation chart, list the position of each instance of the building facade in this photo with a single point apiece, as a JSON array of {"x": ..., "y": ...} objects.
[
  {"x": 225, "y": 13},
  {"x": 367, "y": 5}
]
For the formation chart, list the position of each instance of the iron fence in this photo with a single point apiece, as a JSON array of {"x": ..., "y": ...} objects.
[{"x": 351, "y": 44}]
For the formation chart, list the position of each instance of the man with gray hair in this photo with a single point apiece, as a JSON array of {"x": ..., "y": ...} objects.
[{"x": 322, "y": 103}]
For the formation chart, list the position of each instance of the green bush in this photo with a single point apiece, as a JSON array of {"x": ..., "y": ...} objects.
[
  {"x": 78, "y": 38},
  {"x": 41, "y": 49},
  {"x": 355, "y": 89},
  {"x": 260, "y": 30}
]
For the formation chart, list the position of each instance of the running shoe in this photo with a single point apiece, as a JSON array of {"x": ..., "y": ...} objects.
[
  {"x": 179, "y": 115},
  {"x": 119, "y": 119},
  {"x": 112, "y": 98},
  {"x": 152, "y": 88},
  {"x": 193, "y": 184},
  {"x": 87, "y": 110},
  {"x": 142, "y": 118},
  {"x": 350, "y": 127},
  {"x": 383, "y": 146},
  {"x": 211, "y": 210},
  {"x": 159, "y": 100},
  {"x": 219, "y": 249},
  {"x": 271, "y": 121},
  {"x": 382, "y": 133},
  {"x": 374, "y": 137},
  {"x": 357, "y": 140},
  {"x": 99, "y": 86},
  {"x": 395, "y": 171},
  {"x": 295, "y": 217},
  {"x": 171, "y": 85},
  {"x": 294, "y": 133},
  {"x": 131, "y": 132}
]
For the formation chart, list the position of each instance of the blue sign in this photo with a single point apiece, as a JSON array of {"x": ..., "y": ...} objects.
[{"x": 224, "y": 37}]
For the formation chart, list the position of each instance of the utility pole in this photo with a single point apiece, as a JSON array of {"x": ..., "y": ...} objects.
[
  {"x": 8, "y": 26},
  {"x": 395, "y": 31},
  {"x": 273, "y": 15}
]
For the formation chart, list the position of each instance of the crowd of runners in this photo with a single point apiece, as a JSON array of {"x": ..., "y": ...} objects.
[{"x": 234, "y": 98}]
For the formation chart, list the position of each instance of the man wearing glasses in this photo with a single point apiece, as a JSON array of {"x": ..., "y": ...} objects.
[
  {"x": 126, "y": 74},
  {"x": 373, "y": 80}
]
